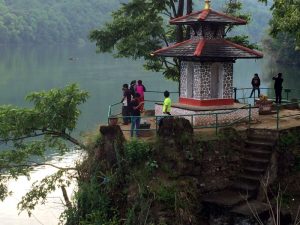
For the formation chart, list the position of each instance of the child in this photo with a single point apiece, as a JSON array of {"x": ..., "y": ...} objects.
[{"x": 167, "y": 103}]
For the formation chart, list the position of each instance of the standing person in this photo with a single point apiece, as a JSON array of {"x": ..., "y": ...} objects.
[
  {"x": 167, "y": 103},
  {"x": 126, "y": 104},
  {"x": 278, "y": 87},
  {"x": 255, "y": 85},
  {"x": 132, "y": 87},
  {"x": 140, "y": 89},
  {"x": 135, "y": 106},
  {"x": 166, "y": 107}
]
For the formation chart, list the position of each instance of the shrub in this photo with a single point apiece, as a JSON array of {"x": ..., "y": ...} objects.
[{"x": 137, "y": 151}]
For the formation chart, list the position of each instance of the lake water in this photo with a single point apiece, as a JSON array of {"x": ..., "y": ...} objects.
[{"x": 26, "y": 69}]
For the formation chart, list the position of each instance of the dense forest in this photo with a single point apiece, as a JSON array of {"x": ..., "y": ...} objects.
[{"x": 57, "y": 21}]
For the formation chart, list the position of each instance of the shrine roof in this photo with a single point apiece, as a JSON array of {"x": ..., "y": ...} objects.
[
  {"x": 204, "y": 48},
  {"x": 207, "y": 15}
]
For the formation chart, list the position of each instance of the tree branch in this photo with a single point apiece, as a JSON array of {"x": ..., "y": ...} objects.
[
  {"x": 34, "y": 164},
  {"x": 47, "y": 132},
  {"x": 21, "y": 138}
]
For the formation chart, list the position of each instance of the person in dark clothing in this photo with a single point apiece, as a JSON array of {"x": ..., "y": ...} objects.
[
  {"x": 135, "y": 106},
  {"x": 126, "y": 104},
  {"x": 278, "y": 87},
  {"x": 255, "y": 85},
  {"x": 132, "y": 87}
]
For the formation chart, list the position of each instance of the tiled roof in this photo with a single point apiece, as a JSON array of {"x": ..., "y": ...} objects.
[
  {"x": 203, "y": 48},
  {"x": 207, "y": 15}
]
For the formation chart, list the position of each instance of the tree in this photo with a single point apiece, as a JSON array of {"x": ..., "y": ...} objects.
[
  {"x": 286, "y": 19},
  {"x": 140, "y": 27},
  {"x": 27, "y": 133}
]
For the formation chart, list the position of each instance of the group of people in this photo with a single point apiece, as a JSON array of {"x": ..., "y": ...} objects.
[
  {"x": 277, "y": 86},
  {"x": 133, "y": 104}
]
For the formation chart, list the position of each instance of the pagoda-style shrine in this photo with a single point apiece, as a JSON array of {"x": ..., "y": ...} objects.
[{"x": 206, "y": 71}]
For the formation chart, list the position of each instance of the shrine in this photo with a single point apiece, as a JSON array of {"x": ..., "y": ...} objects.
[{"x": 206, "y": 62}]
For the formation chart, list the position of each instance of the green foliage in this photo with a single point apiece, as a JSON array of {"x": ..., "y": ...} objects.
[
  {"x": 282, "y": 49},
  {"x": 40, "y": 190},
  {"x": 26, "y": 134},
  {"x": 289, "y": 140},
  {"x": 39, "y": 21},
  {"x": 92, "y": 206},
  {"x": 137, "y": 151},
  {"x": 166, "y": 194},
  {"x": 137, "y": 29},
  {"x": 151, "y": 166},
  {"x": 286, "y": 19}
]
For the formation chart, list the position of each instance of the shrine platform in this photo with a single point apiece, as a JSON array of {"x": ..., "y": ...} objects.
[{"x": 207, "y": 116}]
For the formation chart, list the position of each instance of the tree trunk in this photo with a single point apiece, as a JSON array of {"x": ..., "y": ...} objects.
[
  {"x": 66, "y": 198},
  {"x": 189, "y": 9},
  {"x": 179, "y": 29}
]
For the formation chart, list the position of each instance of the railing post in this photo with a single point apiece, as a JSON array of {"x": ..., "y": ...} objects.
[
  {"x": 155, "y": 125},
  {"x": 249, "y": 122},
  {"x": 109, "y": 113},
  {"x": 235, "y": 90},
  {"x": 216, "y": 124},
  {"x": 277, "y": 118}
]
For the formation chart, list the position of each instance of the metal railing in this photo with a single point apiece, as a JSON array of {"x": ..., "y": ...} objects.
[
  {"x": 114, "y": 110},
  {"x": 242, "y": 94},
  {"x": 219, "y": 118},
  {"x": 294, "y": 104}
]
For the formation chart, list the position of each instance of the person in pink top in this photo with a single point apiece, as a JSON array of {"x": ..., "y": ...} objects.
[{"x": 140, "y": 89}]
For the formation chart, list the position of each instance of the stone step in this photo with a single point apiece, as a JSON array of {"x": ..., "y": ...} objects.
[
  {"x": 256, "y": 159},
  {"x": 271, "y": 140},
  {"x": 258, "y": 151},
  {"x": 250, "y": 177},
  {"x": 266, "y": 134},
  {"x": 226, "y": 198},
  {"x": 248, "y": 208},
  {"x": 253, "y": 169},
  {"x": 245, "y": 187},
  {"x": 263, "y": 143}
]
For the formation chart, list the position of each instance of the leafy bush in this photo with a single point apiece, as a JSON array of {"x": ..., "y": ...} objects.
[
  {"x": 166, "y": 195},
  {"x": 93, "y": 206},
  {"x": 137, "y": 151}
]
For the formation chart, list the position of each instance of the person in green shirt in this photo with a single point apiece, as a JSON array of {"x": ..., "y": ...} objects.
[{"x": 167, "y": 103}]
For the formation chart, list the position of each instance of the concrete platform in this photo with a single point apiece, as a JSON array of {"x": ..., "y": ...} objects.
[
  {"x": 207, "y": 108},
  {"x": 211, "y": 116}
]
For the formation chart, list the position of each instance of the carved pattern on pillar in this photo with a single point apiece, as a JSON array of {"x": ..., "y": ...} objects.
[
  {"x": 228, "y": 80},
  {"x": 202, "y": 80},
  {"x": 183, "y": 79}
]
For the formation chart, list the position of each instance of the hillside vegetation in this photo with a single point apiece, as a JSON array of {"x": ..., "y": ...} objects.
[
  {"x": 40, "y": 21},
  {"x": 54, "y": 21}
]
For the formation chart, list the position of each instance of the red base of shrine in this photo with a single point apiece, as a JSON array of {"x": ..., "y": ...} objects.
[{"x": 207, "y": 102}]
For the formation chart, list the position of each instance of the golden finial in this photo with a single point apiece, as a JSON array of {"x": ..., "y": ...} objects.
[{"x": 207, "y": 4}]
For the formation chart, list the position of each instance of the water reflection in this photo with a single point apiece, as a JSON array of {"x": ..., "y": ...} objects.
[{"x": 47, "y": 214}]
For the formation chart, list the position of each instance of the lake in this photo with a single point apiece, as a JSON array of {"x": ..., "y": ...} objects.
[{"x": 32, "y": 68}]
